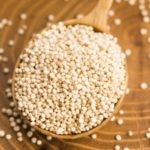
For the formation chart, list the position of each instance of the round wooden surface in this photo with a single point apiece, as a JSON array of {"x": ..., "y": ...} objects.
[{"x": 136, "y": 104}]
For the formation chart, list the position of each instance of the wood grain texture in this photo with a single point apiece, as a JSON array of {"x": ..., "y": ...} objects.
[
  {"x": 136, "y": 104},
  {"x": 96, "y": 18}
]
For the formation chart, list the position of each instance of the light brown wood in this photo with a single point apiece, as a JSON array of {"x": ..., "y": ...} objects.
[
  {"x": 136, "y": 104},
  {"x": 98, "y": 19}
]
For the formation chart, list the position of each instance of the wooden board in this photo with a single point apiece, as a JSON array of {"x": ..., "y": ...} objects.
[{"x": 136, "y": 104}]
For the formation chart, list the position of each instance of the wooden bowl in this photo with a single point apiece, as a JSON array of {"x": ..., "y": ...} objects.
[
  {"x": 90, "y": 19},
  {"x": 73, "y": 136}
]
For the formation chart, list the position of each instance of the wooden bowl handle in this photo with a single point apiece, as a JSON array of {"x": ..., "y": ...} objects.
[{"x": 98, "y": 16}]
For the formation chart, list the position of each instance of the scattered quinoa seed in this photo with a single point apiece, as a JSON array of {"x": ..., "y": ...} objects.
[
  {"x": 8, "y": 136},
  {"x": 111, "y": 13},
  {"x": 49, "y": 138},
  {"x": 9, "y": 81},
  {"x": 117, "y": 21},
  {"x": 94, "y": 136},
  {"x": 79, "y": 16},
  {"x": 143, "y": 85},
  {"x": 5, "y": 59},
  {"x": 121, "y": 112},
  {"x": 51, "y": 17},
  {"x": 127, "y": 90},
  {"x": 2, "y": 133},
  {"x": 1, "y": 50},
  {"x": 33, "y": 139},
  {"x": 29, "y": 134},
  {"x": 20, "y": 138},
  {"x": 10, "y": 42},
  {"x": 113, "y": 118},
  {"x": 23, "y": 16},
  {"x": 25, "y": 126},
  {"x": 143, "y": 31},
  {"x": 39, "y": 142},
  {"x": 117, "y": 147},
  {"x": 128, "y": 52},
  {"x": 130, "y": 133},
  {"x": 148, "y": 39},
  {"x": 120, "y": 121},
  {"x": 21, "y": 31},
  {"x": 6, "y": 70},
  {"x": 118, "y": 137},
  {"x": 148, "y": 135}
]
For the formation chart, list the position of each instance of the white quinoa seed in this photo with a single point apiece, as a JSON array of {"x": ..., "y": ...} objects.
[
  {"x": 25, "y": 126},
  {"x": 8, "y": 136},
  {"x": 118, "y": 137},
  {"x": 3, "y": 110},
  {"x": 20, "y": 138},
  {"x": 7, "y": 90},
  {"x": 21, "y": 31},
  {"x": 144, "y": 12},
  {"x": 117, "y": 147},
  {"x": 9, "y": 81},
  {"x": 16, "y": 128},
  {"x": 148, "y": 129},
  {"x": 118, "y": 1},
  {"x": 6, "y": 70},
  {"x": 117, "y": 21},
  {"x": 120, "y": 121},
  {"x": 51, "y": 17},
  {"x": 146, "y": 19},
  {"x": 113, "y": 118},
  {"x": 1, "y": 25},
  {"x": 29, "y": 134},
  {"x": 79, "y": 16},
  {"x": 2, "y": 133},
  {"x": 111, "y": 12},
  {"x": 4, "y": 21},
  {"x": 125, "y": 148},
  {"x": 18, "y": 120},
  {"x": 148, "y": 39},
  {"x": 23, "y": 16},
  {"x": 143, "y": 85},
  {"x": 39, "y": 142},
  {"x": 127, "y": 90},
  {"x": 12, "y": 124},
  {"x": 10, "y": 42},
  {"x": 49, "y": 138},
  {"x": 32, "y": 129},
  {"x": 130, "y": 133},
  {"x": 1, "y": 50},
  {"x": 19, "y": 134},
  {"x": 148, "y": 135},
  {"x": 76, "y": 78},
  {"x": 128, "y": 52},
  {"x": 132, "y": 2},
  {"x": 11, "y": 119},
  {"x": 141, "y": 7},
  {"x": 143, "y": 31},
  {"x": 9, "y": 112},
  {"x": 121, "y": 112},
  {"x": 4, "y": 59},
  {"x": 9, "y": 23},
  {"x": 94, "y": 136},
  {"x": 33, "y": 139}
]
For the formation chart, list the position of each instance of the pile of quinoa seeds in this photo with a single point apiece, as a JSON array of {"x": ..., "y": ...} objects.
[{"x": 69, "y": 78}]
